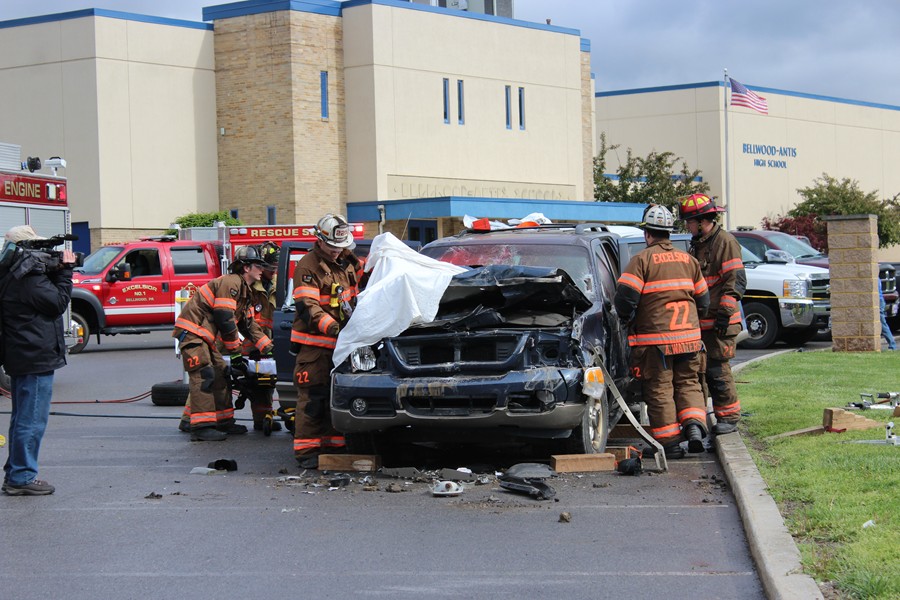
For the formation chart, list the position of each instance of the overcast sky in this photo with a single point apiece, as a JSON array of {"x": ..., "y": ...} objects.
[{"x": 843, "y": 49}]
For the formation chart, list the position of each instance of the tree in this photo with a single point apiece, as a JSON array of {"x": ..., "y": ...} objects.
[
  {"x": 645, "y": 180},
  {"x": 827, "y": 197},
  {"x": 205, "y": 220}
]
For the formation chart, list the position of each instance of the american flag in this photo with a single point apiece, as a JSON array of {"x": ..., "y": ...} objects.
[{"x": 741, "y": 96}]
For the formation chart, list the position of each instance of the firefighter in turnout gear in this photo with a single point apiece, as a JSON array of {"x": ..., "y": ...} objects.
[
  {"x": 661, "y": 296},
  {"x": 325, "y": 289},
  {"x": 218, "y": 309},
  {"x": 719, "y": 255}
]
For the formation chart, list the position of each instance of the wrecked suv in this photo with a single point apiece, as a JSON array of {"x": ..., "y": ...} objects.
[{"x": 508, "y": 352}]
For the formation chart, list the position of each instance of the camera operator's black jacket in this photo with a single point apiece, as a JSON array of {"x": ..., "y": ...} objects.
[{"x": 32, "y": 306}]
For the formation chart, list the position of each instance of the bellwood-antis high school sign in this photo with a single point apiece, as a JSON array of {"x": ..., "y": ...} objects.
[{"x": 778, "y": 155}]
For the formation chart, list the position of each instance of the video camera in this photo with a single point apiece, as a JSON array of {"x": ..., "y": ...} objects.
[{"x": 43, "y": 250}]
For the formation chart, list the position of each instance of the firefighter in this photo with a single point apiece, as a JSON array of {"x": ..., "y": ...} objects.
[
  {"x": 219, "y": 308},
  {"x": 719, "y": 255},
  {"x": 661, "y": 295},
  {"x": 325, "y": 289}
]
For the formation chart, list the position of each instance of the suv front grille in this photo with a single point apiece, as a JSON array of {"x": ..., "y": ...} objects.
[
  {"x": 458, "y": 352},
  {"x": 820, "y": 287}
]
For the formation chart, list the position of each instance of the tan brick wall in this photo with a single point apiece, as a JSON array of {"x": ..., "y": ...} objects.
[
  {"x": 108, "y": 236},
  {"x": 587, "y": 125},
  {"x": 852, "y": 246},
  {"x": 276, "y": 149}
]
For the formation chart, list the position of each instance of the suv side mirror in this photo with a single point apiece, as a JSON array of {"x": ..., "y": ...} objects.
[{"x": 778, "y": 256}]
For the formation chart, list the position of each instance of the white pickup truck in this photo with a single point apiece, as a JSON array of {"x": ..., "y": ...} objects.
[{"x": 778, "y": 303}]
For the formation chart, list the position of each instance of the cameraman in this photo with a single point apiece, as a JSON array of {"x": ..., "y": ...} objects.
[{"x": 36, "y": 290}]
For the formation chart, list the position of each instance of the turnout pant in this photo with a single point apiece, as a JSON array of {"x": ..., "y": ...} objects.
[
  {"x": 209, "y": 403},
  {"x": 670, "y": 386},
  {"x": 719, "y": 380},
  {"x": 313, "y": 432}
]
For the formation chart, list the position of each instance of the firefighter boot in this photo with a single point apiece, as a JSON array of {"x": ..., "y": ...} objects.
[
  {"x": 208, "y": 434},
  {"x": 694, "y": 436},
  {"x": 723, "y": 427},
  {"x": 674, "y": 451}
]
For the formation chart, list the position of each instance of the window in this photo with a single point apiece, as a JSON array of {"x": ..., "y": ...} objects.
[
  {"x": 323, "y": 93},
  {"x": 144, "y": 262},
  {"x": 508, "y": 108},
  {"x": 189, "y": 261},
  {"x": 460, "y": 99},
  {"x": 234, "y": 213},
  {"x": 270, "y": 215},
  {"x": 446, "y": 100},
  {"x": 521, "y": 108}
]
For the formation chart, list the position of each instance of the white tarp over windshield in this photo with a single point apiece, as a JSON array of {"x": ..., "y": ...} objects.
[{"x": 404, "y": 288}]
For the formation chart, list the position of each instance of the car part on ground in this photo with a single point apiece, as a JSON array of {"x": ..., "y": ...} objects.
[{"x": 169, "y": 393}]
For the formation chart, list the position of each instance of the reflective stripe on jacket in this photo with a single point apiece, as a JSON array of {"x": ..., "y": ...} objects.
[{"x": 659, "y": 295}]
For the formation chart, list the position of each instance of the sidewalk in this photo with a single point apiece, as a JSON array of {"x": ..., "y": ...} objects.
[{"x": 771, "y": 545}]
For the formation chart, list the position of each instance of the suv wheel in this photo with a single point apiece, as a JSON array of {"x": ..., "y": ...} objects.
[
  {"x": 590, "y": 437},
  {"x": 762, "y": 325}
]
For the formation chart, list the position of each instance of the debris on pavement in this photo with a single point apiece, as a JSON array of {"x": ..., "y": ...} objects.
[
  {"x": 630, "y": 466},
  {"x": 207, "y": 471},
  {"x": 461, "y": 474},
  {"x": 153, "y": 496},
  {"x": 565, "y": 517},
  {"x": 446, "y": 488},
  {"x": 223, "y": 464},
  {"x": 533, "y": 487}
]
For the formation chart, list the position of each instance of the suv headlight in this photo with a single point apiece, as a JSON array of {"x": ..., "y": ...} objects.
[
  {"x": 796, "y": 288},
  {"x": 362, "y": 359}
]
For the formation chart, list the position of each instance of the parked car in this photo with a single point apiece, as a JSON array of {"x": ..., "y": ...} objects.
[
  {"x": 506, "y": 355},
  {"x": 758, "y": 241},
  {"x": 778, "y": 303}
]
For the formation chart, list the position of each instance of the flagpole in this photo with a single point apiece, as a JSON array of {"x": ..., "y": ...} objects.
[{"x": 727, "y": 191}]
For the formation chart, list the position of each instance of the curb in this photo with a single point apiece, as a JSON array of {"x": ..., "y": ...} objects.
[{"x": 773, "y": 549}]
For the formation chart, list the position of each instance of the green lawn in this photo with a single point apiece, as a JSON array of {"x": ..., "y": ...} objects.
[{"x": 826, "y": 487}]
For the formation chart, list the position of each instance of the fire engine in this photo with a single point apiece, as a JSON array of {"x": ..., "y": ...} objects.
[{"x": 28, "y": 197}]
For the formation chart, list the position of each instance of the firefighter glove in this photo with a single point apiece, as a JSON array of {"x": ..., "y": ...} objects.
[
  {"x": 269, "y": 351},
  {"x": 238, "y": 362},
  {"x": 334, "y": 329},
  {"x": 722, "y": 322},
  {"x": 294, "y": 350}
]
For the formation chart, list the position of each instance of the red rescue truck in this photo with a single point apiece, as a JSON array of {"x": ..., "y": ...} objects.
[{"x": 133, "y": 287}]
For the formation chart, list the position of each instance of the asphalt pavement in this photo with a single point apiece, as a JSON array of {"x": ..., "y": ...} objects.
[{"x": 128, "y": 520}]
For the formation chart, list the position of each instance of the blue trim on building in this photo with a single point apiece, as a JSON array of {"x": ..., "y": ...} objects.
[
  {"x": 323, "y": 93},
  {"x": 585, "y": 45},
  {"x": 100, "y": 12},
  {"x": 664, "y": 88},
  {"x": 330, "y": 8},
  {"x": 762, "y": 90},
  {"x": 334, "y": 8},
  {"x": 561, "y": 211}
]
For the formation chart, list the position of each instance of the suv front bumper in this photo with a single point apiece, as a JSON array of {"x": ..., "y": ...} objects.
[{"x": 540, "y": 398}]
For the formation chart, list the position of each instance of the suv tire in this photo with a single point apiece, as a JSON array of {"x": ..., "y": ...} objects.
[{"x": 591, "y": 435}]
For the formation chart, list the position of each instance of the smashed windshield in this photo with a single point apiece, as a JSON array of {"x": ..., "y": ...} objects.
[
  {"x": 97, "y": 261},
  {"x": 574, "y": 260}
]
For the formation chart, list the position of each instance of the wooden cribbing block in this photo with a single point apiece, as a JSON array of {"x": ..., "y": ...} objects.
[
  {"x": 838, "y": 418},
  {"x": 582, "y": 463},
  {"x": 349, "y": 462},
  {"x": 622, "y": 452},
  {"x": 805, "y": 431},
  {"x": 623, "y": 431}
]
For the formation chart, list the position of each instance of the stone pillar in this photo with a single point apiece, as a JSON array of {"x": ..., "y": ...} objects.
[{"x": 852, "y": 244}]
